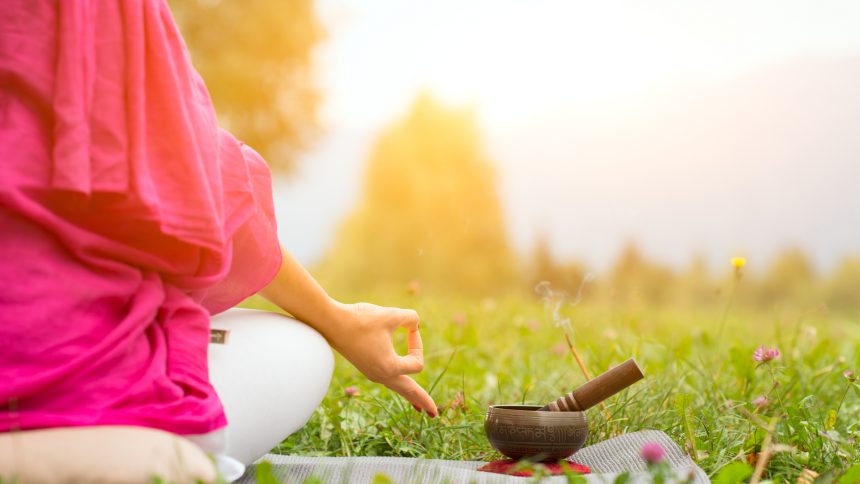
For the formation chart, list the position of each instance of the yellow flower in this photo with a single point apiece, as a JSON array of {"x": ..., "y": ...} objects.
[{"x": 738, "y": 262}]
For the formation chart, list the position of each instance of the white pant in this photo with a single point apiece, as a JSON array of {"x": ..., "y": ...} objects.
[{"x": 271, "y": 375}]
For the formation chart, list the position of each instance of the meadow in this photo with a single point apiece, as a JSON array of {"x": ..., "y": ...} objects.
[
  {"x": 430, "y": 210},
  {"x": 702, "y": 387}
]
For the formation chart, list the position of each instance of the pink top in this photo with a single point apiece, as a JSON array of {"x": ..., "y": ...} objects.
[{"x": 127, "y": 218}]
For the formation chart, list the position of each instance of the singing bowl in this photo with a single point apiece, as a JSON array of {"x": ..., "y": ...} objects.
[{"x": 524, "y": 432}]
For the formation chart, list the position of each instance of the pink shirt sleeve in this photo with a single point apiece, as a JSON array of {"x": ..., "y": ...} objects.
[{"x": 255, "y": 254}]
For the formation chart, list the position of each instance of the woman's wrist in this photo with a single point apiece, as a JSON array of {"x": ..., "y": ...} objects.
[
  {"x": 361, "y": 332},
  {"x": 332, "y": 320},
  {"x": 295, "y": 291}
]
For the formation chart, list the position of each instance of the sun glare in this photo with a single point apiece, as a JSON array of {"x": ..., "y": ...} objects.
[{"x": 511, "y": 61}]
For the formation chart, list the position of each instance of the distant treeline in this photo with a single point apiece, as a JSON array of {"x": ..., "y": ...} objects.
[
  {"x": 430, "y": 218},
  {"x": 788, "y": 280}
]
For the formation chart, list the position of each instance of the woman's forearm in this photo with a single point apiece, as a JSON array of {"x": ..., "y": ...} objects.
[
  {"x": 294, "y": 290},
  {"x": 360, "y": 332}
]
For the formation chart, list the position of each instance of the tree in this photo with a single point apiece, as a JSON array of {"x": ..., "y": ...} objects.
[
  {"x": 696, "y": 286},
  {"x": 256, "y": 59},
  {"x": 634, "y": 278},
  {"x": 567, "y": 277},
  {"x": 429, "y": 210},
  {"x": 790, "y": 278},
  {"x": 844, "y": 285}
]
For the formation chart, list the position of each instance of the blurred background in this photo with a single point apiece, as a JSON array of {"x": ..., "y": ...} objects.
[{"x": 479, "y": 147}]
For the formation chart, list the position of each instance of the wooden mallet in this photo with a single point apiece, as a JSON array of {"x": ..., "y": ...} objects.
[{"x": 599, "y": 389}]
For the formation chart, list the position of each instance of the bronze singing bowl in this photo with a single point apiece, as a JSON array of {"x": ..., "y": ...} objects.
[{"x": 522, "y": 431}]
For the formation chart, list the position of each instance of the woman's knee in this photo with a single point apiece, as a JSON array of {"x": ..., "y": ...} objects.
[
  {"x": 271, "y": 374},
  {"x": 270, "y": 345}
]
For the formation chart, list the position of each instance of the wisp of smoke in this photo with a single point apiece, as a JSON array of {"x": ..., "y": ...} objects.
[{"x": 554, "y": 300}]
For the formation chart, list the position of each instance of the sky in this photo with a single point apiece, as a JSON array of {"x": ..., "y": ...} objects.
[{"x": 547, "y": 78}]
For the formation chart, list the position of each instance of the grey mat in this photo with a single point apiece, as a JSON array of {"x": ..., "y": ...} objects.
[{"x": 606, "y": 459}]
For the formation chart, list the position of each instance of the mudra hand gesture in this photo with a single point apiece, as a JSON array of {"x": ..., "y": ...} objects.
[
  {"x": 361, "y": 332},
  {"x": 364, "y": 338}
]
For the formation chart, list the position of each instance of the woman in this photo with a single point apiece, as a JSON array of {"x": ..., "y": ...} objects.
[{"x": 128, "y": 218}]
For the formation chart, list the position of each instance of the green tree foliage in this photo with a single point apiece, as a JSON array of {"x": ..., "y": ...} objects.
[
  {"x": 567, "y": 276},
  {"x": 633, "y": 278},
  {"x": 844, "y": 286},
  {"x": 790, "y": 281},
  {"x": 256, "y": 59},
  {"x": 789, "y": 278},
  {"x": 697, "y": 283},
  {"x": 430, "y": 211}
]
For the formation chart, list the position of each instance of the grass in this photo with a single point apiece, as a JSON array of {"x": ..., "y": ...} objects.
[{"x": 698, "y": 389}]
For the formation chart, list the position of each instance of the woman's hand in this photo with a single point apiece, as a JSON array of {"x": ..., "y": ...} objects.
[{"x": 362, "y": 334}]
